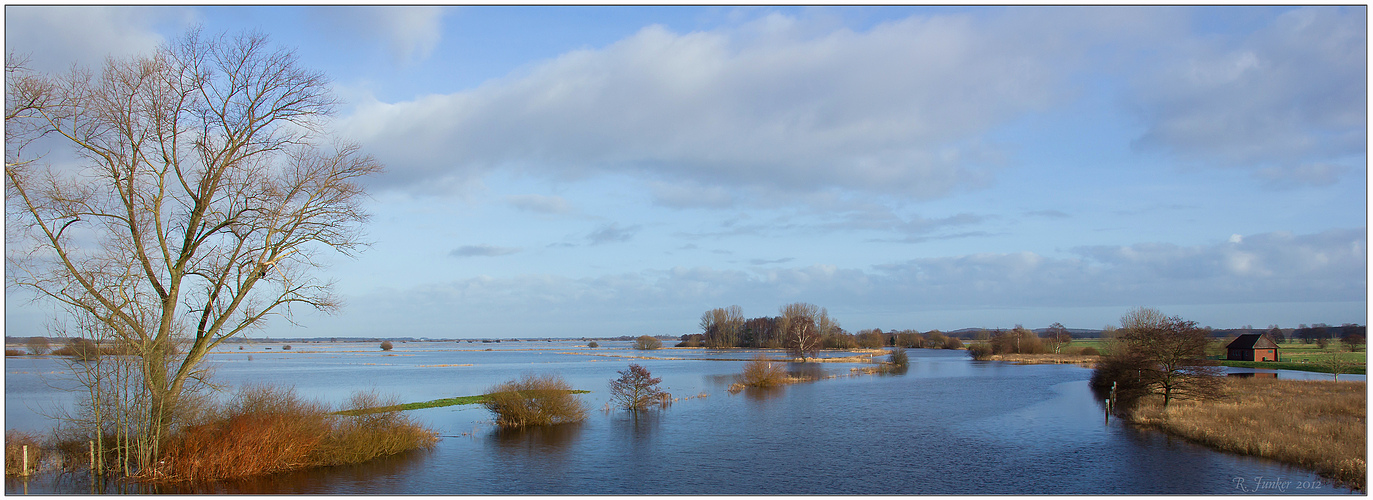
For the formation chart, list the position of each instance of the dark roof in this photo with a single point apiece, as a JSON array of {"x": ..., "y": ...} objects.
[{"x": 1252, "y": 341}]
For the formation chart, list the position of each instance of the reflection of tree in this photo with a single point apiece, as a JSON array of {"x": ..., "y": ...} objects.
[
  {"x": 541, "y": 438},
  {"x": 761, "y": 394},
  {"x": 379, "y": 475}
]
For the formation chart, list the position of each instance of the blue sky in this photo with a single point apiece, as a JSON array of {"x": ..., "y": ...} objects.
[{"x": 605, "y": 171}]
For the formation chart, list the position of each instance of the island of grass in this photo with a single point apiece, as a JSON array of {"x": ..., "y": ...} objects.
[{"x": 437, "y": 403}]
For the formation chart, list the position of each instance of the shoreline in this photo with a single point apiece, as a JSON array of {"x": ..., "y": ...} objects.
[{"x": 1316, "y": 425}]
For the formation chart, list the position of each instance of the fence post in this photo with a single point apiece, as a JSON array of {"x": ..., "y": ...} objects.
[{"x": 25, "y": 470}]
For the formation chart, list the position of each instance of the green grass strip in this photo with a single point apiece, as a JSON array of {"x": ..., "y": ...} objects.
[
  {"x": 437, "y": 403},
  {"x": 1306, "y": 367}
]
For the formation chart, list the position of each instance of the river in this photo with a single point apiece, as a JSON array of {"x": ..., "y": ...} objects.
[{"x": 948, "y": 425}]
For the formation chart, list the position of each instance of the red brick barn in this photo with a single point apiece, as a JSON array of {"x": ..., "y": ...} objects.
[{"x": 1252, "y": 347}]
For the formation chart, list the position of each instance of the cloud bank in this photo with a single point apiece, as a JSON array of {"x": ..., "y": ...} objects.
[{"x": 1257, "y": 269}]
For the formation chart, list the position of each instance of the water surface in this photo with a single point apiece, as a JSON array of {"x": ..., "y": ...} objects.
[{"x": 948, "y": 425}]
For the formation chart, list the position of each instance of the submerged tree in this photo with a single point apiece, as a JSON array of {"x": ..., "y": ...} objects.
[
  {"x": 803, "y": 328},
  {"x": 203, "y": 193},
  {"x": 636, "y": 389}
]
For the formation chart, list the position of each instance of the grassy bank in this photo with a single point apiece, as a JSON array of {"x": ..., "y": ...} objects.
[
  {"x": 1283, "y": 365},
  {"x": 437, "y": 403},
  {"x": 1047, "y": 359},
  {"x": 1318, "y": 425}
]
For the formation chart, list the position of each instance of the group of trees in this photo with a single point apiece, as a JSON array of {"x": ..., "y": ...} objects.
[
  {"x": 800, "y": 327},
  {"x": 803, "y": 329},
  {"x": 1157, "y": 354}
]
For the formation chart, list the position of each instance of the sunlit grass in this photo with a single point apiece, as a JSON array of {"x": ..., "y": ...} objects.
[{"x": 1319, "y": 425}]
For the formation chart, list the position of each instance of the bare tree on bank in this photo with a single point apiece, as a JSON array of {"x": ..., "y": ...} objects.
[
  {"x": 204, "y": 191},
  {"x": 1157, "y": 354}
]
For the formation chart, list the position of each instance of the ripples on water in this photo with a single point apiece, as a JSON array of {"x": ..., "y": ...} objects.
[{"x": 946, "y": 426}]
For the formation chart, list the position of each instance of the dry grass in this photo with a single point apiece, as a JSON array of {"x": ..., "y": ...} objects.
[
  {"x": 15, "y": 442},
  {"x": 265, "y": 430},
  {"x": 763, "y": 373},
  {"x": 534, "y": 400},
  {"x": 1047, "y": 359},
  {"x": 1319, "y": 425}
]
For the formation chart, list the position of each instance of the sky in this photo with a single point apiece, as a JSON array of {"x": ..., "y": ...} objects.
[{"x": 606, "y": 171}]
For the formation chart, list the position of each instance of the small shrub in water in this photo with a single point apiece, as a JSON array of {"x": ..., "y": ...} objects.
[
  {"x": 646, "y": 342},
  {"x": 898, "y": 358},
  {"x": 534, "y": 400},
  {"x": 636, "y": 389},
  {"x": 386, "y": 345},
  {"x": 761, "y": 372},
  {"x": 593, "y": 344}
]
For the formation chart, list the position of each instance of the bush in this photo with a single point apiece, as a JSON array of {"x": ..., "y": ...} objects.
[
  {"x": 952, "y": 343},
  {"x": 898, "y": 358},
  {"x": 386, "y": 345},
  {"x": 593, "y": 344},
  {"x": 637, "y": 389},
  {"x": 286, "y": 348},
  {"x": 646, "y": 342},
  {"x": 14, "y": 352},
  {"x": 762, "y": 372},
  {"x": 980, "y": 351},
  {"x": 15, "y": 442},
  {"x": 1089, "y": 351},
  {"x": 534, "y": 400},
  {"x": 38, "y": 346},
  {"x": 265, "y": 430}
]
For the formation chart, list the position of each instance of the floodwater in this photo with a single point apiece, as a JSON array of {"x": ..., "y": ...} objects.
[{"x": 948, "y": 425}]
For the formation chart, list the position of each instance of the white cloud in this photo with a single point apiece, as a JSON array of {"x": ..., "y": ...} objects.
[
  {"x": 539, "y": 203},
  {"x": 1260, "y": 270},
  {"x": 482, "y": 251},
  {"x": 898, "y": 109},
  {"x": 410, "y": 32},
  {"x": 1285, "y": 100},
  {"x": 55, "y": 37}
]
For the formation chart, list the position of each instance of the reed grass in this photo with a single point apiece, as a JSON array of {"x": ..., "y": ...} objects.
[
  {"x": 15, "y": 442},
  {"x": 265, "y": 430},
  {"x": 1318, "y": 425}
]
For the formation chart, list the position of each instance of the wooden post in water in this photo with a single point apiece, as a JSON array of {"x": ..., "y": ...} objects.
[
  {"x": 1108, "y": 412},
  {"x": 25, "y": 471}
]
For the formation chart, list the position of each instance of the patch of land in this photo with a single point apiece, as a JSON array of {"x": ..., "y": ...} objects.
[
  {"x": 437, "y": 403},
  {"x": 1047, "y": 359},
  {"x": 1318, "y": 425}
]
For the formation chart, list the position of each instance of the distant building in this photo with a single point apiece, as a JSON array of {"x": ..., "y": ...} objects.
[{"x": 1252, "y": 347}]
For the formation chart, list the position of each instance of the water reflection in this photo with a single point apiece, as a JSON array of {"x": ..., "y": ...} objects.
[
  {"x": 806, "y": 370},
  {"x": 763, "y": 394},
  {"x": 637, "y": 428},
  {"x": 1254, "y": 375},
  {"x": 538, "y": 439}
]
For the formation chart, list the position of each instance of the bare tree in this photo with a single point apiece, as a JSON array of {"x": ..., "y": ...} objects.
[
  {"x": 802, "y": 327},
  {"x": 1171, "y": 354},
  {"x": 38, "y": 346},
  {"x": 204, "y": 192},
  {"x": 636, "y": 389},
  {"x": 1337, "y": 364}
]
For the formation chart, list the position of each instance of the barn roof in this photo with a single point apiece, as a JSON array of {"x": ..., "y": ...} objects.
[{"x": 1252, "y": 341}]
